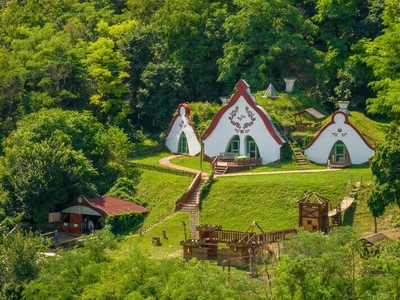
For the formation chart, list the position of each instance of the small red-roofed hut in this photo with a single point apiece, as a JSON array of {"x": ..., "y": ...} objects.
[{"x": 82, "y": 214}]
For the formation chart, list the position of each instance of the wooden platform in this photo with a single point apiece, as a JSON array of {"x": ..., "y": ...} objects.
[{"x": 343, "y": 205}]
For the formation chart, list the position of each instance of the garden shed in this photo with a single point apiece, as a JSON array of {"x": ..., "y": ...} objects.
[{"x": 82, "y": 214}]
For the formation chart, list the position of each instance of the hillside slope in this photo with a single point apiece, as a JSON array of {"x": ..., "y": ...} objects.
[{"x": 282, "y": 109}]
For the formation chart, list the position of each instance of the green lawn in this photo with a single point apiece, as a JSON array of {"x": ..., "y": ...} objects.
[
  {"x": 192, "y": 162},
  {"x": 169, "y": 247},
  {"x": 271, "y": 200},
  {"x": 151, "y": 158},
  {"x": 161, "y": 190}
]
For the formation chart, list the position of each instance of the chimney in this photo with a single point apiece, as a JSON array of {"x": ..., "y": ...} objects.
[
  {"x": 289, "y": 84},
  {"x": 343, "y": 106}
]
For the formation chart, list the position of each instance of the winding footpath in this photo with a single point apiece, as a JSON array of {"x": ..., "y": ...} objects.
[{"x": 166, "y": 162}]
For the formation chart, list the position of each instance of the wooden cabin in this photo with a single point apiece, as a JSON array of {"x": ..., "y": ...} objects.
[{"x": 82, "y": 215}]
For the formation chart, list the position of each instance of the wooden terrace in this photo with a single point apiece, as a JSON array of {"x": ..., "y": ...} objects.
[{"x": 232, "y": 162}]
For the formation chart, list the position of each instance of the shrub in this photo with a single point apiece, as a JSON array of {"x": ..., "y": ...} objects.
[{"x": 124, "y": 222}]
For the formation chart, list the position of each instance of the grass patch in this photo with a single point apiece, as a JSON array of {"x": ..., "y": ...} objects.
[
  {"x": 374, "y": 131},
  {"x": 192, "y": 162},
  {"x": 271, "y": 200},
  {"x": 161, "y": 190},
  {"x": 169, "y": 247},
  {"x": 283, "y": 108},
  {"x": 151, "y": 158},
  {"x": 282, "y": 167}
]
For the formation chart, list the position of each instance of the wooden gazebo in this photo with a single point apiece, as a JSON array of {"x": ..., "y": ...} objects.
[
  {"x": 301, "y": 125},
  {"x": 313, "y": 213}
]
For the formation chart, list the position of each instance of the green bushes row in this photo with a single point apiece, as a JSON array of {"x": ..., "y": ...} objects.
[{"x": 124, "y": 223}]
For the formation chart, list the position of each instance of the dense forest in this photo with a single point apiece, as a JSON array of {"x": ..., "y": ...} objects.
[
  {"x": 131, "y": 62},
  {"x": 81, "y": 81}
]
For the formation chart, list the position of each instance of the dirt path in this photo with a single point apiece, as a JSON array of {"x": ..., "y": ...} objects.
[{"x": 166, "y": 162}]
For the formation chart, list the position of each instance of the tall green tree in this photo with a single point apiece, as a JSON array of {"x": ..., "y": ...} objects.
[
  {"x": 190, "y": 37},
  {"x": 109, "y": 79},
  {"x": 40, "y": 175},
  {"x": 163, "y": 89},
  {"x": 21, "y": 261},
  {"x": 55, "y": 155},
  {"x": 317, "y": 266},
  {"x": 383, "y": 55},
  {"x": 385, "y": 167},
  {"x": 266, "y": 41}
]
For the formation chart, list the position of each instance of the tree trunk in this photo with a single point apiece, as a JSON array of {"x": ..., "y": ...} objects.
[{"x": 376, "y": 225}]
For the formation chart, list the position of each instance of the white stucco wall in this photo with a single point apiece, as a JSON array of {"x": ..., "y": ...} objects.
[
  {"x": 359, "y": 151},
  {"x": 243, "y": 126},
  {"x": 180, "y": 125}
]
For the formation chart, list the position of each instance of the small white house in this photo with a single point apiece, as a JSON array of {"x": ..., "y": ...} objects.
[
  {"x": 243, "y": 128},
  {"x": 340, "y": 142},
  {"x": 181, "y": 135}
]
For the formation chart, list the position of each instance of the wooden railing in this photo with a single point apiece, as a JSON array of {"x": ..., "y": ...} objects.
[
  {"x": 214, "y": 163},
  {"x": 230, "y": 236},
  {"x": 190, "y": 190},
  {"x": 246, "y": 162}
]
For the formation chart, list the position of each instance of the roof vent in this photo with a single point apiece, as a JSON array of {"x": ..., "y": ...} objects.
[
  {"x": 224, "y": 100},
  {"x": 271, "y": 92}
]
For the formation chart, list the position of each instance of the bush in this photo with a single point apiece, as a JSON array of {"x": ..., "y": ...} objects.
[
  {"x": 125, "y": 222},
  {"x": 286, "y": 153}
]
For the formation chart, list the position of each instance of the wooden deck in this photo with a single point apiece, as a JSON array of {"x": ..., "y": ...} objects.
[{"x": 343, "y": 205}]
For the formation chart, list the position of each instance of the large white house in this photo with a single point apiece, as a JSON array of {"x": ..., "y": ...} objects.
[
  {"x": 181, "y": 136},
  {"x": 340, "y": 142},
  {"x": 244, "y": 128}
]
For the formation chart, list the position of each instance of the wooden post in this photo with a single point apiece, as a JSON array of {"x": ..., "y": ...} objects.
[{"x": 184, "y": 230}]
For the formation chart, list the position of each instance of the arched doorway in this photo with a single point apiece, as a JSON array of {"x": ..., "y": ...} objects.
[
  {"x": 183, "y": 144},
  {"x": 233, "y": 145},
  {"x": 252, "y": 148},
  {"x": 339, "y": 154}
]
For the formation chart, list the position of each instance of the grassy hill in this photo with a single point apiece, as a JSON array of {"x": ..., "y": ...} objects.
[
  {"x": 282, "y": 109},
  {"x": 270, "y": 199}
]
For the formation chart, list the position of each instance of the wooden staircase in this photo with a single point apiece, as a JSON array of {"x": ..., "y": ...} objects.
[
  {"x": 220, "y": 170},
  {"x": 192, "y": 207},
  {"x": 301, "y": 160}
]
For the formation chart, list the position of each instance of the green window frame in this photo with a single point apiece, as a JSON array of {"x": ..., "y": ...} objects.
[{"x": 183, "y": 144}]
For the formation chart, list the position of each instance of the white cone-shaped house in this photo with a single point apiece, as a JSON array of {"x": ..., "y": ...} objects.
[
  {"x": 340, "y": 142},
  {"x": 242, "y": 127},
  {"x": 181, "y": 135}
]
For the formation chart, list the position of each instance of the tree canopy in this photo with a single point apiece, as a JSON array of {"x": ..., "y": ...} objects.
[
  {"x": 54, "y": 155},
  {"x": 117, "y": 58},
  {"x": 385, "y": 166}
]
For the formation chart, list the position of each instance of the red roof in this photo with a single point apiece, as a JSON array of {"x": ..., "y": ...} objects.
[
  {"x": 242, "y": 89},
  {"x": 115, "y": 206}
]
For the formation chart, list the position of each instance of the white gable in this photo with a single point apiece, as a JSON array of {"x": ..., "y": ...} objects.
[
  {"x": 339, "y": 129},
  {"x": 243, "y": 120},
  {"x": 181, "y": 125}
]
